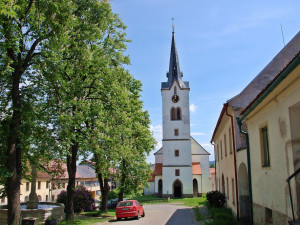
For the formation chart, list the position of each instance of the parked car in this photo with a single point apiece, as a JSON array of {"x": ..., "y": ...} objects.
[
  {"x": 111, "y": 204},
  {"x": 129, "y": 208}
]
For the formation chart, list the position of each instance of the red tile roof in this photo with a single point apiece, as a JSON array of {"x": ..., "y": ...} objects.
[
  {"x": 211, "y": 171},
  {"x": 152, "y": 178},
  {"x": 196, "y": 168},
  {"x": 158, "y": 169},
  {"x": 43, "y": 175}
]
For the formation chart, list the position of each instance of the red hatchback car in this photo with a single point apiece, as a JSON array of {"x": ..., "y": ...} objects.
[{"x": 129, "y": 208}]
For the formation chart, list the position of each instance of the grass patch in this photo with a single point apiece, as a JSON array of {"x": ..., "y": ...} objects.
[
  {"x": 150, "y": 199},
  {"x": 222, "y": 216},
  {"x": 88, "y": 218},
  {"x": 96, "y": 213},
  {"x": 192, "y": 202},
  {"x": 198, "y": 215}
]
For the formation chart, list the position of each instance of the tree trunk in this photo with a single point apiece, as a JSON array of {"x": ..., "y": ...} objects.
[
  {"x": 13, "y": 162},
  {"x": 122, "y": 181},
  {"x": 104, "y": 187},
  {"x": 71, "y": 167}
]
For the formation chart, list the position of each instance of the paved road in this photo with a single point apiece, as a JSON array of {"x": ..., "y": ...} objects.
[{"x": 161, "y": 214}]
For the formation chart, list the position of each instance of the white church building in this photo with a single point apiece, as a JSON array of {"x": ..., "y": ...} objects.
[{"x": 182, "y": 165}]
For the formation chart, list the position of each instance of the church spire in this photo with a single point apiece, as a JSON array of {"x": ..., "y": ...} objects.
[
  {"x": 174, "y": 69},
  {"x": 174, "y": 72}
]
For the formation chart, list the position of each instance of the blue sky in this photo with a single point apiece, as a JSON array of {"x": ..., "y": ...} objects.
[{"x": 222, "y": 46}]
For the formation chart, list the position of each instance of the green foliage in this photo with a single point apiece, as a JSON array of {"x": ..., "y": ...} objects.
[
  {"x": 221, "y": 216},
  {"x": 216, "y": 199},
  {"x": 67, "y": 59},
  {"x": 113, "y": 194}
]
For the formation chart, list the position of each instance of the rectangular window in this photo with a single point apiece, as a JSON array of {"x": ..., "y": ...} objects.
[
  {"x": 227, "y": 187},
  {"x": 53, "y": 186},
  {"x": 218, "y": 153},
  {"x": 225, "y": 145},
  {"x": 176, "y": 132},
  {"x": 39, "y": 185},
  {"x": 58, "y": 186},
  {"x": 265, "y": 156},
  {"x": 52, "y": 198},
  {"x": 233, "y": 193},
  {"x": 176, "y": 153},
  {"x": 47, "y": 184},
  {"x": 47, "y": 198},
  {"x": 63, "y": 185},
  {"x": 3, "y": 200},
  {"x": 221, "y": 150},
  {"x": 27, "y": 186},
  {"x": 177, "y": 172},
  {"x": 230, "y": 141}
]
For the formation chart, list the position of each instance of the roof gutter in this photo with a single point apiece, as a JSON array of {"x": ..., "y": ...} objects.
[{"x": 277, "y": 81}]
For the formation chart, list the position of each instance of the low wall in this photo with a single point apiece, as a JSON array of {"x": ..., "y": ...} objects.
[{"x": 41, "y": 214}]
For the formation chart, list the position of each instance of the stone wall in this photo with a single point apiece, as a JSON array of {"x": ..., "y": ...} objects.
[
  {"x": 259, "y": 216},
  {"x": 41, "y": 214}
]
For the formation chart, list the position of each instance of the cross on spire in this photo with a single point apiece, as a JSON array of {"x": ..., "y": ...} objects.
[{"x": 173, "y": 24}]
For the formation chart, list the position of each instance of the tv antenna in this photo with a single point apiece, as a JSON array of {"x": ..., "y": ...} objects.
[{"x": 282, "y": 35}]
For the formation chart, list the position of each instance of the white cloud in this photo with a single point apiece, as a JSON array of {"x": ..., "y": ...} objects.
[
  {"x": 197, "y": 134},
  {"x": 193, "y": 108}
]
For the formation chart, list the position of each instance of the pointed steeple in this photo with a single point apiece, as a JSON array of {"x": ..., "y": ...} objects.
[{"x": 174, "y": 68}]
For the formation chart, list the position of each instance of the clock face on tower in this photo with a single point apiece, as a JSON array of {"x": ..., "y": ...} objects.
[{"x": 175, "y": 98}]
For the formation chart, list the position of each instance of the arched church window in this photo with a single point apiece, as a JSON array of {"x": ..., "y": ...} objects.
[
  {"x": 173, "y": 114},
  {"x": 178, "y": 113}
]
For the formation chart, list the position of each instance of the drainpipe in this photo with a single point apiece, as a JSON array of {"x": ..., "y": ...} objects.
[
  {"x": 249, "y": 168},
  {"x": 234, "y": 159},
  {"x": 216, "y": 186}
]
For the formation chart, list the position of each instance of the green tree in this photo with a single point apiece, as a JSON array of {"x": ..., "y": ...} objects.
[
  {"x": 28, "y": 29},
  {"x": 81, "y": 77},
  {"x": 124, "y": 139},
  {"x": 137, "y": 142}
]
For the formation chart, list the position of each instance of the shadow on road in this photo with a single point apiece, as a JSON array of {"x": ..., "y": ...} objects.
[
  {"x": 124, "y": 219},
  {"x": 182, "y": 216}
]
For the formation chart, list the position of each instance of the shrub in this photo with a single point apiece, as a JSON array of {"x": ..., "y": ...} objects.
[
  {"x": 83, "y": 200},
  {"x": 216, "y": 199},
  {"x": 113, "y": 194}
]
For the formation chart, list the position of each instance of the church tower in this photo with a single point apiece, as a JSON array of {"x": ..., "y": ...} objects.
[{"x": 177, "y": 173}]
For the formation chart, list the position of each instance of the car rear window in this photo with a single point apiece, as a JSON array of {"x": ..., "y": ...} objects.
[{"x": 121, "y": 204}]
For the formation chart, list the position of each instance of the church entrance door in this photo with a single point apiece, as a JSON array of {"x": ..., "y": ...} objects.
[
  {"x": 195, "y": 187},
  {"x": 160, "y": 187},
  {"x": 177, "y": 187}
]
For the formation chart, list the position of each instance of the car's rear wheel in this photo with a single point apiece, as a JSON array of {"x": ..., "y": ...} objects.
[
  {"x": 118, "y": 219},
  {"x": 143, "y": 214},
  {"x": 138, "y": 216}
]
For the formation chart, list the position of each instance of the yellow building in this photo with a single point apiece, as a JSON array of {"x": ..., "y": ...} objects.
[
  {"x": 273, "y": 123},
  {"x": 233, "y": 175}
]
